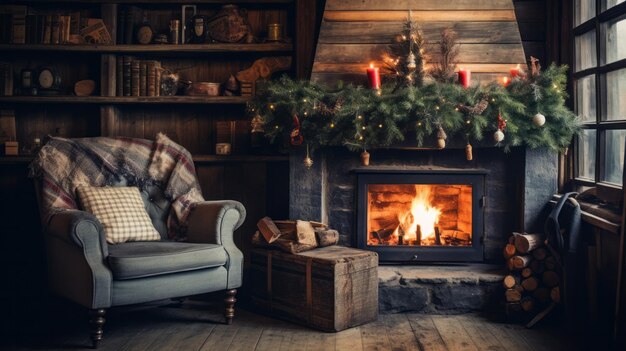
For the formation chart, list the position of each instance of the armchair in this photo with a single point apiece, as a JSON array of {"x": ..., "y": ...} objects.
[{"x": 84, "y": 268}]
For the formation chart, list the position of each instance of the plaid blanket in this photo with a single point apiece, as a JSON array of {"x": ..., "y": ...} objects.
[{"x": 64, "y": 164}]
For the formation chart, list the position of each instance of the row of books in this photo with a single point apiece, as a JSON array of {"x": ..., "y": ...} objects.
[
  {"x": 17, "y": 26},
  {"x": 138, "y": 77}
]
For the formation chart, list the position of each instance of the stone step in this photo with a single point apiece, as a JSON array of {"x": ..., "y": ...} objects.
[{"x": 441, "y": 289}]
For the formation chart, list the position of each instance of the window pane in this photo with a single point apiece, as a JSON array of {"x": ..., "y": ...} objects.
[
  {"x": 587, "y": 154},
  {"x": 611, "y": 3},
  {"x": 586, "y": 50},
  {"x": 614, "y": 155},
  {"x": 616, "y": 95},
  {"x": 615, "y": 34},
  {"x": 586, "y": 98},
  {"x": 585, "y": 10}
]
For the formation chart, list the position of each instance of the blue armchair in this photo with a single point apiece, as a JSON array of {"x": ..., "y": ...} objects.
[{"x": 84, "y": 268}]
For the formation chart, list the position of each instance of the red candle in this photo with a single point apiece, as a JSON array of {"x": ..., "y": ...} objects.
[
  {"x": 505, "y": 81},
  {"x": 515, "y": 71},
  {"x": 373, "y": 76},
  {"x": 465, "y": 77}
]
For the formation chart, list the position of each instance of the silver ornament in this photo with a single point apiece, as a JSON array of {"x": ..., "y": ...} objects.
[
  {"x": 539, "y": 119},
  {"x": 498, "y": 136},
  {"x": 410, "y": 62}
]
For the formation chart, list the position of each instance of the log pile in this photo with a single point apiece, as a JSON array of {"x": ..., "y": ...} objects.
[
  {"x": 293, "y": 236},
  {"x": 532, "y": 285}
]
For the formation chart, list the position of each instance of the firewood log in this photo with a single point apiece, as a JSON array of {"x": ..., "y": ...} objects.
[
  {"x": 512, "y": 239},
  {"x": 550, "y": 279},
  {"x": 527, "y": 303},
  {"x": 525, "y": 243},
  {"x": 305, "y": 233},
  {"x": 555, "y": 294},
  {"x": 550, "y": 262},
  {"x": 530, "y": 284},
  {"x": 519, "y": 289},
  {"x": 537, "y": 267},
  {"x": 540, "y": 253},
  {"x": 520, "y": 262},
  {"x": 510, "y": 281},
  {"x": 268, "y": 229},
  {"x": 527, "y": 272},
  {"x": 326, "y": 237},
  {"x": 509, "y": 251},
  {"x": 542, "y": 294},
  {"x": 512, "y": 295}
]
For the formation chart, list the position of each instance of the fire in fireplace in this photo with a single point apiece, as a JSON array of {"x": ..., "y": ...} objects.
[{"x": 421, "y": 215}]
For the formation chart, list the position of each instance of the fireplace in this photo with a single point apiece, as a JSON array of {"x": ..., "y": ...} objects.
[{"x": 421, "y": 215}]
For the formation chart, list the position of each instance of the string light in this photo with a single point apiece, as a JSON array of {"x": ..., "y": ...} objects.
[
  {"x": 468, "y": 121},
  {"x": 359, "y": 117},
  {"x": 419, "y": 124},
  {"x": 332, "y": 125},
  {"x": 271, "y": 106},
  {"x": 276, "y": 126},
  {"x": 493, "y": 100},
  {"x": 360, "y": 137},
  {"x": 380, "y": 126},
  {"x": 306, "y": 113},
  {"x": 303, "y": 100},
  {"x": 456, "y": 108},
  {"x": 363, "y": 127},
  {"x": 436, "y": 107}
]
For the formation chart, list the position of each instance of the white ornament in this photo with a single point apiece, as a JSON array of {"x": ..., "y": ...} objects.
[
  {"x": 308, "y": 162},
  {"x": 411, "y": 65},
  {"x": 498, "y": 136},
  {"x": 539, "y": 119}
]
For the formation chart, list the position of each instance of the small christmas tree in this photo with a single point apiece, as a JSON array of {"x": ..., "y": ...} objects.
[{"x": 405, "y": 56}]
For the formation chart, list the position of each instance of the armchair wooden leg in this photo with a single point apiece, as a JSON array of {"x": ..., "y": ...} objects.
[
  {"x": 230, "y": 305},
  {"x": 97, "y": 323}
]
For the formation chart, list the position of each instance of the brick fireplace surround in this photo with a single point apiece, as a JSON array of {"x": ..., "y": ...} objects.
[{"x": 518, "y": 186}]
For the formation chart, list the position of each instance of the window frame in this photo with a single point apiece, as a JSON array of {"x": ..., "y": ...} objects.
[{"x": 599, "y": 71}]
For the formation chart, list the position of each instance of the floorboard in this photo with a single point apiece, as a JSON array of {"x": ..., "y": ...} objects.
[{"x": 198, "y": 326}]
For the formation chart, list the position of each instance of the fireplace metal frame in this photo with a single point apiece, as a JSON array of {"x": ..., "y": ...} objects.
[{"x": 416, "y": 254}]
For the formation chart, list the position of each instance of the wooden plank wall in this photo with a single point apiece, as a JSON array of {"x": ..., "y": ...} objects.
[{"x": 355, "y": 33}]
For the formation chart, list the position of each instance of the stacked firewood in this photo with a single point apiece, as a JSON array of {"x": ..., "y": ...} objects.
[
  {"x": 293, "y": 236},
  {"x": 532, "y": 285}
]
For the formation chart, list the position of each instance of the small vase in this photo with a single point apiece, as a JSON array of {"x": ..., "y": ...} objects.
[{"x": 365, "y": 158}]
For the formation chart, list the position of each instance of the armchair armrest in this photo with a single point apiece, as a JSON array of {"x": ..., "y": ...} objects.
[
  {"x": 214, "y": 222},
  {"x": 77, "y": 253}
]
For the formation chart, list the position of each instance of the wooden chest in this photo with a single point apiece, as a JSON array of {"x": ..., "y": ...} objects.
[{"x": 330, "y": 289}]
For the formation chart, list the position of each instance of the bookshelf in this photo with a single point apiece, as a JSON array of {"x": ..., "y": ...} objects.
[
  {"x": 266, "y": 48},
  {"x": 125, "y": 100}
]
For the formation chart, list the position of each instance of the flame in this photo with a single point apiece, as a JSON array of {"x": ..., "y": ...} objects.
[{"x": 421, "y": 214}]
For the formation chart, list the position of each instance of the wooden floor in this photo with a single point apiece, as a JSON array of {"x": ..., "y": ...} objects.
[{"x": 195, "y": 325}]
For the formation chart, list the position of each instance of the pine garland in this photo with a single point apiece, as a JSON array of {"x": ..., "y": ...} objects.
[{"x": 359, "y": 118}]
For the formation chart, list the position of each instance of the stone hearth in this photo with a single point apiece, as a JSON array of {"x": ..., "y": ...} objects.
[{"x": 438, "y": 289}]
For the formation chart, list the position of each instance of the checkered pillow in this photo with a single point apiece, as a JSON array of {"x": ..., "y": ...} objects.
[{"x": 121, "y": 212}]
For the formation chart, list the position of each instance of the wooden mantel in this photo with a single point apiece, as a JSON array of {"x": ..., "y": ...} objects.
[{"x": 354, "y": 33}]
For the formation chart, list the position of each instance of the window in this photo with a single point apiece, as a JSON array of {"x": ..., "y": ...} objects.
[{"x": 600, "y": 90}]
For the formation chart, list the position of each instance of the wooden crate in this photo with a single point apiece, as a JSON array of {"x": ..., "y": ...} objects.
[{"x": 330, "y": 289}]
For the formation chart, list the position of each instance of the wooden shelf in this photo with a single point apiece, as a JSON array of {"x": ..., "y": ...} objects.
[
  {"x": 126, "y": 100},
  {"x": 8, "y": 160},
  {"x": 163, "y": 49},
  {"x": 238, "y": 158},
  {"x": 174, "y": 2}
]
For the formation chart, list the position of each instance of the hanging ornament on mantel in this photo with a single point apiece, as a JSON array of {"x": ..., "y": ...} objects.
[
  {"x": 308, "y": 161},
  {"x": 539, "y": 120},
  {"x": 498, "y": 136},
  {"x": 296, "y": 138},
  {"x": 441, "y": 138},
  {"x": 468, "y": 151},
  {"x": 365, "y": 158}
]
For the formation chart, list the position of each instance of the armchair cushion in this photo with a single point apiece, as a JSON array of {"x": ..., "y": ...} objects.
[
  {"x": 143, "y": 259},
  {"x": 121, "y": 211}
]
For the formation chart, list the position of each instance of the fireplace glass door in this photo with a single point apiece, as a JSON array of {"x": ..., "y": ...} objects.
[{"x": 421, "y": 215}]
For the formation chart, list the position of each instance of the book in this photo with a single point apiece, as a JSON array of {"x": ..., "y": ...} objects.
[
  {"x": 129, "y": 24},
  {"x": 151, "y": 90},
  {"x": 157, "y": 78},
  {"x": 127, "y": 75},
  {"x": 119, "y": 76},
  {"x": 6, "y": 76},
  {"x": 18, "y": 29},
  {"x": 75, "y": 23},
  {"x": 143, "y": 77},
  {"x": 55, "y": 30},
  {"x": 135, "y": 78},
  {"x": 121, "y": 25},
  {"x": 65, "y": 30},
  {"x": 47, "y": 29}
]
